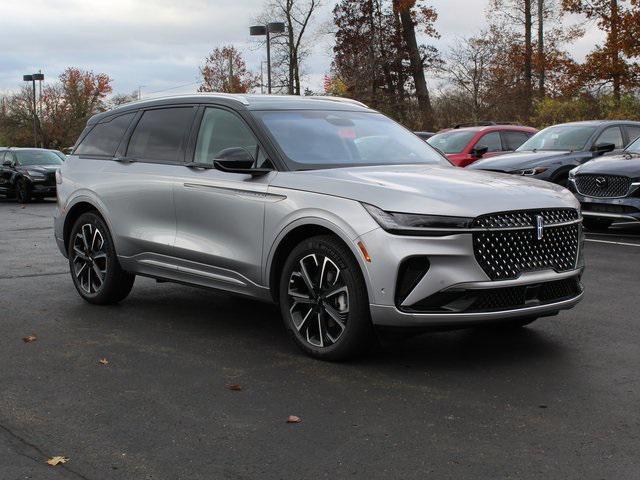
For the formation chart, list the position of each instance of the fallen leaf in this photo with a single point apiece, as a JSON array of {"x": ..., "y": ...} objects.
[
  {"x": 29, "y": 338},
  {"x": 54, "y": 461},
  {"x": 23, "y": 206},
  {"x": 293, "y": 419},
  {"x": 236, "y": 387},
  {"x": 103, "y": 361}
]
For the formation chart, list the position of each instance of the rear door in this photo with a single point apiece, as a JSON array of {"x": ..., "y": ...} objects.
[{"x": 220, "y": 215}]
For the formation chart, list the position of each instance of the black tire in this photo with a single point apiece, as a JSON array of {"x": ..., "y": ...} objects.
[
  {"x": 596, "y": 224},
  {"x": 97, "y": 253},
  {"x": 23, "y": 191},
  {"x": 326, "y": 338}
]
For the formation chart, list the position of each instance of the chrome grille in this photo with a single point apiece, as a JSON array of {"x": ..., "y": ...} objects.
[
  {"x": 602, "y": 186},
  {"x": 511, "y": 243}
]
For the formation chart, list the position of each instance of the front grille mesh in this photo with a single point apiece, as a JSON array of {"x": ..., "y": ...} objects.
[
  {"x": 513, "y": 247},
  {"x": 602, "y": 186}
]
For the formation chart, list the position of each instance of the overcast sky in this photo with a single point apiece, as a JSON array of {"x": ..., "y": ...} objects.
[{"x": 160, "y": 43}]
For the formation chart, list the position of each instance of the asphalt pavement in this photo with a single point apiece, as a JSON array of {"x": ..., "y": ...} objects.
[{"x": 557, "y": 400}]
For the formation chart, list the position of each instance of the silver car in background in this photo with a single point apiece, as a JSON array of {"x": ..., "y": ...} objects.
[{"x": 341, "y": 216}]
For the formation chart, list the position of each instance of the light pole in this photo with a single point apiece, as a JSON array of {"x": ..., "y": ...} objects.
[
  {"x": 268, "y": 29},
  {"x": 32, "y": 78}
]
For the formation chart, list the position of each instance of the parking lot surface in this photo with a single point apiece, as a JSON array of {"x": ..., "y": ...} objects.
[{"x": 559, "y": 399}]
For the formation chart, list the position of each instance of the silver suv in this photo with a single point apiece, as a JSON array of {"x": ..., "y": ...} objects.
[{"x": 341, "y": 216}]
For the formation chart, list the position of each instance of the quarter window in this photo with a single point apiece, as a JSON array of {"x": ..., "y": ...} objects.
[
  {"x": 161, "y": 134},
  {"x": 611, "y": 135},
  {"x": 104, "y": 138},
  {"x": 220, "y": 130}
]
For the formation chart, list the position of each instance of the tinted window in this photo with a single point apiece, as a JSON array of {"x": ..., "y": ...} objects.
[
  {"x": 611, "y": 135},
  {"x": 633, "y": 132},
  {"x": 492, "y": 141},
  {"x": 451, "y": 142},
  {"x": 160, "y": 134},
  {"x": 513, "y": 140},
  {"x": 559, "y": 138},
  {"x": 104, "y": 138},
  {"x": 220, "y": 130}
]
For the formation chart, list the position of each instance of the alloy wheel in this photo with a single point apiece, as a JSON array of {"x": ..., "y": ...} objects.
[
  {"x": 319, "y": 300},
  {"x": 89, "y": 258}
]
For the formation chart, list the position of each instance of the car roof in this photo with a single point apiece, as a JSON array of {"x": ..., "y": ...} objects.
[
  {"x": 241, "y": 101},
  {"x": 598, "y": 123},
  {"x": 482, "y": 128}
]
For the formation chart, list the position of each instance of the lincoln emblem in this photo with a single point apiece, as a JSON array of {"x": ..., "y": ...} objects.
[{"x": 539, "y": 226}]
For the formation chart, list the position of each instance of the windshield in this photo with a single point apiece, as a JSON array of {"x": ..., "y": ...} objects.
[
  {"x": 37, "y": 157},
  {"x": 451, "y": 142},
  {"x": 561, "y": 137},
  {"x": 325, "y": 139}
]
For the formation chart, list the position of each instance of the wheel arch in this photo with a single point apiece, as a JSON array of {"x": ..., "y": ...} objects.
[
  {"x": 73, "y": 213},
  {"x": 295, "y": 233}
]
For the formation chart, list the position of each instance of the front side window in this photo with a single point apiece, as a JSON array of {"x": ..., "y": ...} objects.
[
  {"x": 611, "y": 135},
  {"x": 104, "y": 138},
  {"x": 559, "y": 138},
  {"x": 633, "y": 131},
  {"x": 221, "y": 130},
  {"x": 37, "y": 157},
  {"x": 451, "y": 142},
  {"x": 161, "y": 134},
  {"x": 491, "y": 141},
  {"x": 312, "y": 139}
]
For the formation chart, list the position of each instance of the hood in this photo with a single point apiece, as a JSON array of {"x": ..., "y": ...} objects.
[
  {"x": 523, "y": 160},
  {"x": 44, "y": 169},
  {"x": 613, "y": 165},
  {"x": 430, "y": 189}
]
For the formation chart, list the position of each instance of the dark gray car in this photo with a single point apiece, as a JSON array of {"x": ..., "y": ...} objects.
[
  {"x": 609, "y": 188},
  {"x": 553, "y": 152}
]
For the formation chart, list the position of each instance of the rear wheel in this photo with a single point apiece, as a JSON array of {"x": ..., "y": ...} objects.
[
  {"x": 23, "y": 191},
  {"x": 94, "y": 266},
  {"x": 323, "y": 300},
  {"x": 597, "y": 224}
]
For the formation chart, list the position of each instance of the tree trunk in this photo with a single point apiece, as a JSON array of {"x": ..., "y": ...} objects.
[
  {"x": 614, "y": 45},
  {"x": 541, "y": 57},
  {"x": 372, "y": 55},
  {"x": 293, "y": 56},
  {"x": 528, "y": 57},
  {"x": 417, "y": 68}
]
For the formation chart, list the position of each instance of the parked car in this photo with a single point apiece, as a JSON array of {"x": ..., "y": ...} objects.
[
  {"x": 609, "y": 188},
  {"x": 425, "y": 135},
  {"x": 62, "y": 156},
  {"x": 27, "y": 173},
  {"x": 465, "y": 145},
  {"x": 341, "y": 216},
  {"x": 554, "y": 151}
]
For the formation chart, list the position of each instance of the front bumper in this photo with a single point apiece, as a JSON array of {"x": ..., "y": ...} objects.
[
  {"x": 617, "y": 209},
  {"x": 41, "y": 189},
  {"x": 452, "y": 268}
]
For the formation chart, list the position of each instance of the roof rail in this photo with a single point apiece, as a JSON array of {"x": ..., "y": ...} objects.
[
  {"x": 231, "y": 96},
  {"x": 483, "y": 123},
  {"x": 337, "y": 99}
]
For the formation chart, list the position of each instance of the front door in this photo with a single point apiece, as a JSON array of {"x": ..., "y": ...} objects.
[{"x": 220, "y": 215}]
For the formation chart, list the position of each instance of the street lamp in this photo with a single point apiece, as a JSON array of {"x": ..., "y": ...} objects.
[
  {"x": 32, "y": 78},
  {"x": 269, "y": 28}
]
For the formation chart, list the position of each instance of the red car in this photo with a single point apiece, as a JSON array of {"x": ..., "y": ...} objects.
[{"x": 464, "y": 145}]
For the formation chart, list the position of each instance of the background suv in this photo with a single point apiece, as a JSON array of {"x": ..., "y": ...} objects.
[
  {"x": 609, "y": 188},
  {"x": 27, "y": 173},
  {"x": 464, "y": 145},
  {"x": 337, "y": 213},
  {"x": 554, "y": 151}
]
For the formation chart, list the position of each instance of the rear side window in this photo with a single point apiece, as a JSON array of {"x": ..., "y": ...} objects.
[
  {"x": 161, "y": 134},
  {"x": 104, "y": 138},
  {"x": 513, "y": 140}
]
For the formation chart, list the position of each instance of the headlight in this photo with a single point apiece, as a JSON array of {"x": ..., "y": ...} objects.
[
  {"x": 530, "y": 171},
  {"x": 416, "y": 224},
  {"x": 572, "y": 173}
]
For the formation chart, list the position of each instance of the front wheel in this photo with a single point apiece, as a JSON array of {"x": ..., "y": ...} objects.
[
  {"x": 94, "y": 266},
  {"x": 323, "y": 299}
]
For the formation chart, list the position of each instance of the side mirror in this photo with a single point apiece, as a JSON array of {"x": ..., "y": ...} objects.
[
  {"x": 238, "y": 160},
  {"x": 7, "y": 163},
  {"x": 479, "y": 150},
  {"x": 602, "y": 148}
]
